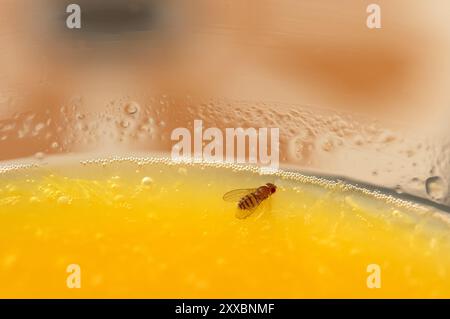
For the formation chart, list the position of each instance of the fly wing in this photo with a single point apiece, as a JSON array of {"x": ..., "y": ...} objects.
[
  {"x": 237, "y": 194},
  {"x": 244, "y": 213}
]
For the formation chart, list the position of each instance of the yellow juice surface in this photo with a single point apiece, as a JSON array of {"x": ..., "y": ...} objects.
[{"x": 148, "y": 228}]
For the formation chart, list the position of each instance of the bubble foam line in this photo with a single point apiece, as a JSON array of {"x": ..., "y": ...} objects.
[{"x": 289, "y": 175}]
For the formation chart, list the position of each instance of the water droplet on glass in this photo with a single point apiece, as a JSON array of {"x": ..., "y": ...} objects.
[
  {"x": 131, "y": 108},
  {"x": 39, "y": 155},
  {"x": 39, "y": 127},
  {"x": 436, "y": 187},
  {"x": 327, "y": 145},
  {"x": 416, "y": 182},
  {"x": 387, "y": 137}
]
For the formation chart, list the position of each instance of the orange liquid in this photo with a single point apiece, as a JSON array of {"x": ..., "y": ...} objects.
[{"x": 150, "y": 229}]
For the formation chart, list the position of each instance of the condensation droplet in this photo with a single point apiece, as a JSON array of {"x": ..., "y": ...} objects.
[
  {"x": 124, "y": 124},
  {"x": 416, "y": 182},
  {"x": 39, "y": 155},
  {"x": 327, "y": 145},
  {"x": 387, "y": 137},
  {"x": 359, "y": 140},
  {"x": 436, "y": 187},
  {"x": 39, "y": 127},
  {"x": 131, "y": 108}
]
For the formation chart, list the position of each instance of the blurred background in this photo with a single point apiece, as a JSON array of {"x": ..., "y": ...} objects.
[{"x": 368, "y": 104}]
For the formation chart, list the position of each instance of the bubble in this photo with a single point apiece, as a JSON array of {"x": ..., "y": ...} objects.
[
  {"x": 147, "y": 181},
  {"x": 119, "y": 198},
  {"x": 34, "y": 199},
  {"x": 436, "y": 187},
  {"x": 182, "y": 171},
  {"x": 64, "y": 200},
  {"x": 131, "y": 108}
]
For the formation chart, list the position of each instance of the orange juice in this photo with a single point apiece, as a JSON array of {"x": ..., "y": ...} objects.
[{"x": 146, "y": 227}]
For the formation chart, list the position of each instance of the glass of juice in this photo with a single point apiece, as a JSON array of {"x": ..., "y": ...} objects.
[{"x": 223, "y": 150}]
